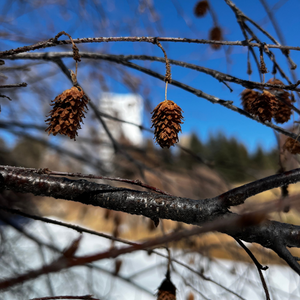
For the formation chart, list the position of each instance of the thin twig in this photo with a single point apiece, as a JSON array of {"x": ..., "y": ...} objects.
[
  {"x": 103, "y": 235},
  {"x": 52, "y": 43},
  {"x": 91, "y": 176},
  {"x": 168, "y": 68},
  {"x": 119, "y": 58},
  {"x": 4, "y": 96},
  {"x": 64, "y": 262},
  {"x": 23, "y": 84},
  {"x": 85, "y": 297},
  {"x": 258, "y": 266}
]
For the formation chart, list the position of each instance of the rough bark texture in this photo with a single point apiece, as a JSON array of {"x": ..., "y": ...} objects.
[{"x": 274, "y": 235}]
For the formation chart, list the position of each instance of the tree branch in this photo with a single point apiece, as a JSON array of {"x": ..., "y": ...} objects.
[
  {"x": 185, "y": 210},
  {"x": 23, "y": 84},
  {"x": 52, "y": 43}
]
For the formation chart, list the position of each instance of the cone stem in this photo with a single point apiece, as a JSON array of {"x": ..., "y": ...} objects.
[{"x": 166, "y": 89}]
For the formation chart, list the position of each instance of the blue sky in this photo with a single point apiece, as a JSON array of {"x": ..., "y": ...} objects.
[{"x": 126, "y": 18}]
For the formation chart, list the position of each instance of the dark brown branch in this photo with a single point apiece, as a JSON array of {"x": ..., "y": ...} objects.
[
  {"x": 4, "y": 96},
  {"x": 23, "y": 84},
  {"x": 85, "y": 297},
  {"x": 152, "y": 205},
  {"x": 258, "y": 266},
  {"x": 238, "y": 195}
]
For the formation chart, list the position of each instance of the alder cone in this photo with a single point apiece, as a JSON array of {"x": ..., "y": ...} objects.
[
  {"x": 284, "y": 112},
  {"x": 67, "y": 113},
  {"x": 292, "y": 146},
  {"x": 215, "y": 34},
  {"x": 247, "y": 97},
  {"x": 201, "y": 8},
  {"x": 190, "y": 296},
  {"x": 167, "y": 290},
  {"x": 166, "y": 119},
  {"x": 264, "y": 106}
]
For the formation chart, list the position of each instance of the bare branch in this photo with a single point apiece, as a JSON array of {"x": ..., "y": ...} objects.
[
  {"x": 85, "y": 297},
  {"x": 110, "y": 237},
  {"x": 258, "y": 266},
  {"x": 152, "y": 205},
  {"x": 23, "y": 84},
  {"x": 67, "y": 262},
  {"x": 53, "y": 43}
]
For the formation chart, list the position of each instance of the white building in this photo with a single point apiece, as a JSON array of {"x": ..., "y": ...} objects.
[{"x": 127, "y": 107}]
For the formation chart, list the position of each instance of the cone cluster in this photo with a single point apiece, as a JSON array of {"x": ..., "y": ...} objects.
[
  {"x": 166, "y": 119},
  {"x": 272, "y": 103},
  {"x": 67, "y": 113},
  {"x": 201, "y": 8}
]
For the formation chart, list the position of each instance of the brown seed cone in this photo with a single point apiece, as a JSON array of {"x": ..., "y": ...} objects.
[
  {"x": 264, "y": 106},
  {"x": 67, "y": 113},
  {"x": 190, "y": 296},
  {"x": 166, "y": 119},
  {"x": 201, "y": 8},
  {"x": 216, "y": 35},
  {"x": 167, "y": 290},
  {"x": 292, "y": 146},
  {"x": 284, "y": 112},
  {"x": 247, "y": 97}
]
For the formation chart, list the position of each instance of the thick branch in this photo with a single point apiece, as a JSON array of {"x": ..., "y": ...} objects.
[
  {"x": 238, "y": 195},
  {"x": 152, "y": 205}
]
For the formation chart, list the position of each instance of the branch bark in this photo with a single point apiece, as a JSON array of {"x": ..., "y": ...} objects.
[{"x": 270, "y": 234}]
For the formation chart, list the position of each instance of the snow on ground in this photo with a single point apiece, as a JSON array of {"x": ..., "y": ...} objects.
[{"x": 19, "y": 253}]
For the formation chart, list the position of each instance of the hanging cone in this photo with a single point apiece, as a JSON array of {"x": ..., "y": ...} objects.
[
  {"x": 67, "y": 113},
  {"x": 292, "y": 146},
  {"x": 284, "y": 112},
  {"x": 247, "y": 97},
  {"x": 167, "y": 290},
  {"x": 190, "y": 296},
  {"x": 166, "y": 119},
  {"x": 264, "y": 106},
  {"x": 216, "y": 35},
  {"x": 201, "y": 8}
]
